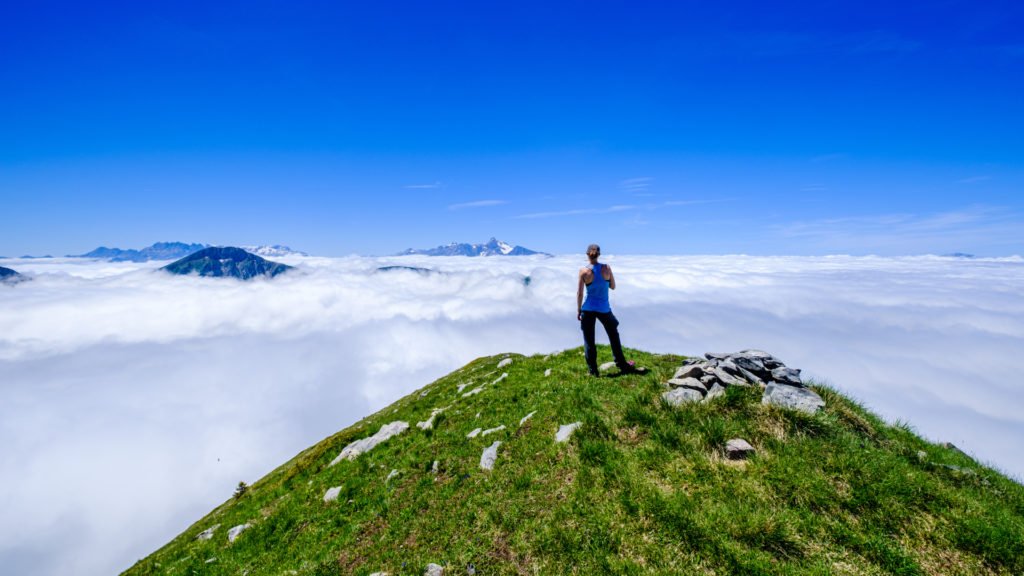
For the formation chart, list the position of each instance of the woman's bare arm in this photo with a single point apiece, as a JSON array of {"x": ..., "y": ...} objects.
[{"x": 611, "y": 277}]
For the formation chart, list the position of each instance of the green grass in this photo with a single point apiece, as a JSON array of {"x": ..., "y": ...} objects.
[{"x": 641, "y": 488}]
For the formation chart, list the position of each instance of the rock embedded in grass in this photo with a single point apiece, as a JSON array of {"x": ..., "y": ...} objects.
[
  {"x": 787, "y": 396},
  {"x": 332, "y": 494},
  {"x": 738, "y": 449},
  {"x": 492, "y": 430},
  {"x": 489, "y": 456},
  {"x": 434, "y": 570},
  {"x": 547, "y": 372},
  {"x": 714, "y": 392},
  {"x": 387, "y": 431},
  {"x": 235, "y": 532},
  {"x": 691, "y": 383},
  {"x": 504, "y": 363},
  {"x": 606, "y": 366},
  {"x": 208, "y": 533},
  {"x": 565, "y": 431},
  {"x": 527, "y": 417},
  {"x": 474, "y": 433},
  {"x": 429, "y": 422},
  {"x": 680, "y": 396}
]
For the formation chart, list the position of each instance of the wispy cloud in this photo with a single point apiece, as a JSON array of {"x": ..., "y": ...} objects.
[
  {"x": 974, "y": 179},
  {"x": 477, "y": 204},
  {"x": 636, "y": 186},
  {"x": 578, "y": 212},
  {"x": 424, "y": 186}
]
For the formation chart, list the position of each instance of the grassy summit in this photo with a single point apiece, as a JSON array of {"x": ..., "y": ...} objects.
[{"x": 640, "y": 488}]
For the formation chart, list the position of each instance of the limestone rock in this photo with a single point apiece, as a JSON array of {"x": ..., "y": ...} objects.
[
  {"x": 500, "y": 378},
  {"x": 738, "y": 449},
  {"x": 802, "y": 399},
  {"x": 474, "y": 433},
  {"x": 434, "y": 570},
  {"x": 504, "y": 363},
  {"x": 237, "y": 530},
  {"x": 527, "y": 417},
  {"x": 492, "y": 430},
  {"x": 714, "y": 392},
  {"x": 489, "y": 456},
  {"x": 784, "y": 375},
  {"x": 429, "y": 422},
  {"x": 565, "y": 431},
  {"x": 391, "y": 475},
  {"x": 680, "y": 396},
  {"x": 476, "y": 390},
  {"x": 208, "y": 533},
  {"x": 547, "y": 372},
  {"x": 361, "y": 446},
  {"x": 332, "y": 494},
  {"x": 689, "y": 371},
  {"x": 691, "y": 383},
  {"x": 728, "y": 379},
  {"x": 606, "y": 366}
]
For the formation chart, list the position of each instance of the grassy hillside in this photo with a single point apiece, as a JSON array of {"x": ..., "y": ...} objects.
[{"x": 640, "y": 488}]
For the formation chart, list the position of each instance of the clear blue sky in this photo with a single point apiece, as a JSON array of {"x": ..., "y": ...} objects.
[{"x": 651, "y": 127}]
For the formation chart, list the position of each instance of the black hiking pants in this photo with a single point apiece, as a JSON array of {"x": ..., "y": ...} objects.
[{"x": 611, "y": 326}]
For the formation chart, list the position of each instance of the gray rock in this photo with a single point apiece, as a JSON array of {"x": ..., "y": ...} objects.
[
  {"x": 474, "y": 433},
  {"x": 714, "y": 392},
  {"x": 332, "y": 494},
  {"x": 237, "y": 530},
  {"x": 489, "y": 456},
  {"x": 353, "y": 450},
  {"x": 492, "y": 430},
  {"x": 208, "y": 533},
  {"x": 565, "y": 431},
  {"x": 527, "y": 417},
  {"x": 435, "y": 467},
  {"x": 476, "y": 390},
  {"x": 708, "y": 379},
  {"x": 391, "y": 475},
  {"x": 689, "y": 371},
  {"x": 434, "y": 570},
  {"x": 738, "y": 449},
  {"x": 429, "y": 422},
  {"x": 547, "y": 372},
  {"x": 504, "y": 363},
  {"x": 751, "y": 377},
  {"x": 729, "y": 366},
  {"x": 787, "y": 396},
  {"x": 606, "y": 366},
  {"x": 691, "y": 383},
  {"x": 679, "y": 396},
  {"x": 728, "y": 379},
  {"x": 500, "y": 378},
  {"x": 716, "y": 355},
  {"x": 785, "y": 375},
  {"x": 380, "y": 574}
]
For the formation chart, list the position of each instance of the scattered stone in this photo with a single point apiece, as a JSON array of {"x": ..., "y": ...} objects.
[
  {"x": 434, "y": 570},
  {"x": 504, "y": 363},
  {"x": 500, "y": 378},
  {"x": 492, "y": 430},
  {"x": 237, "y": 530},
  {"x": 211, "y": 560},
  {"x": 738, "y": 449},
  {"x": 527, "y": 417},
  {"x": 474, "y": 433},
  {"x": 714, "y": 392},
  {"x": 391, "y": 475},
  {"x": 353, "y": 450},
  {"x": 547, "y": 372},
  {"x": 208, "y": 533},
  {"x": 708, "y": 380},
  {"x": 470, "y": 569},
  {"x": 691, "y": 383},
  {"x": 606, "y": 366},
  {"x": 477, "y": 414},
  {"x": 728, "y": 379},
  {"x": 566, "y": 430},
  {"x": 489, "y": 456},
  {"x": 435, "y": 467},
  {"x": 680, "y": 396},
  {"x": 462, "y": 387},
  {"x": 429, "y": 422},
  {"x": 332, "y": 494},
  {"x": 424, "y": 393},
  {"x": 689, "y": 371},
  {"x": 784, "y": 375},
  {"x": 476, "y": 390},
  {"x": 380, "y": 574},
  {"x": 787, "y": 396}
]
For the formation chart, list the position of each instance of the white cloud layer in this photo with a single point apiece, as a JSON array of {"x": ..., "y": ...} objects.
[{"x": 132, "y": 402}]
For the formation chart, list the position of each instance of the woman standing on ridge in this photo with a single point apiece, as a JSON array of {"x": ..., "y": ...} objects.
[{"x": 596, "y": 279}]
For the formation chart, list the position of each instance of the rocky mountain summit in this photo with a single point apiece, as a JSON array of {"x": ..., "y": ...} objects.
[
  {"x": 226, "y": 261},
  {"x": 492, "y": 247},
  {"x": 527, "y": 465},
  {"x": 157, "y": 251}
]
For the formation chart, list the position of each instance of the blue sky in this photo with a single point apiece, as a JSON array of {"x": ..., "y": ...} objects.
[{"x": 337, "y": 128}]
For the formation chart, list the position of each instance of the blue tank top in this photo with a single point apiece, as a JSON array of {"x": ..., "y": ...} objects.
[{"x": 597, "y": 293}]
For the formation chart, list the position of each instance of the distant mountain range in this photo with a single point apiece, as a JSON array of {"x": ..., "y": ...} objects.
[
  {"x": 492, "y": 247},
  {"x": 176, "y": 250},
  {"x": 228, "y": 261}
]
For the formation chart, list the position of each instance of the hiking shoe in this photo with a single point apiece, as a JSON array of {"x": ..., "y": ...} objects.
[
  {"x": 593, "y": 372},
  {"x": 630, "y": 368}
]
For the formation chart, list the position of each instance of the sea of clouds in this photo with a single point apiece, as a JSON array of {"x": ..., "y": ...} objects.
[{"x": 132, "y": 401}]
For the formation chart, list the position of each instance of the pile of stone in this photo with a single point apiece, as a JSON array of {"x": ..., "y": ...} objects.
[{"x": 701, "y": 380}]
